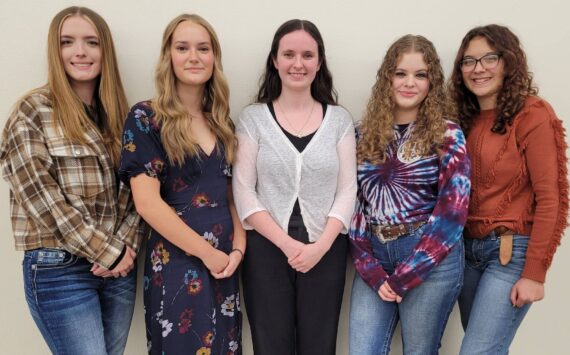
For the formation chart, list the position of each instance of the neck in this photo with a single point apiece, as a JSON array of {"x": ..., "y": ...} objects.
[
  {"x": 191, "y": 97},
  {"x": 405, "y": 116},
  {"x": 487, "y": 103},
  {"x": 85, "y": 91},
  {"x": 294, "y": 100}
]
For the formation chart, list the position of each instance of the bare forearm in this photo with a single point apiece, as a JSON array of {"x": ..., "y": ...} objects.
[{"x": 265, "y": 225}]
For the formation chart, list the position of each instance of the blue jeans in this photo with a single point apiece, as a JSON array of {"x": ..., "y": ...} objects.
[
  {"x": 77, "y": 312},
  {"x": 424, "y": 311},
  {"x": 489, "y": 319}
]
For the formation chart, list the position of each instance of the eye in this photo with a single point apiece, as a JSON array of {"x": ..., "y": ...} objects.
[
  {"x": 93, "y": 43},
  {"x": 204, "y": 49},
  {"x": 288, "y": 55},
  {"x": 422, "y": 75},
  {"x": 181, "y": 48},
  {"x": 66, "y": 42},
  {"x": 308, "y": 55},
  {"x": 400, "y": 74},
  {"x": 490, "y": 58},
  {"x": 468, "y": 62}
]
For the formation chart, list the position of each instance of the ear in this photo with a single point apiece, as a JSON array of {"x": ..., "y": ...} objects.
[
  {"x": 319, "y": 67},
  {"x": 274, "y": 60}
]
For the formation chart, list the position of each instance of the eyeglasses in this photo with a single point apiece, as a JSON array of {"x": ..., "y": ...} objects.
[{"x": 488, "y": 61}]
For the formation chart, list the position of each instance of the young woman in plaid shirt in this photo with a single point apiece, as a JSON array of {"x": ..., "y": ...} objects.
[{"x": 70, "y": 214}]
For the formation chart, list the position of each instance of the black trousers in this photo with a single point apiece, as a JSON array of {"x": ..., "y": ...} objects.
[{"x": 290, "y": 312}]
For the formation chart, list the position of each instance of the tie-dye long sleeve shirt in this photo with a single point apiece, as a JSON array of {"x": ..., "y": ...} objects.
[{"x": 409, "y": 188}]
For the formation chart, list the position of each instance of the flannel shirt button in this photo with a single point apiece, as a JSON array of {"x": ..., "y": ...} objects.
[{"x": 77, "y": 152}]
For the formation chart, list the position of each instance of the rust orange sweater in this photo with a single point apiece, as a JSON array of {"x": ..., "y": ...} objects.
[{"x": 519, "y": 180}]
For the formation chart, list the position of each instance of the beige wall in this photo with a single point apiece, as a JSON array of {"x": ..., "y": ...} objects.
[{"x": 356, "y": 33}]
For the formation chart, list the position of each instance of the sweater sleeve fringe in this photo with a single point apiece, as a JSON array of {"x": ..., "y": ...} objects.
[{"x": 562, "y": 217}]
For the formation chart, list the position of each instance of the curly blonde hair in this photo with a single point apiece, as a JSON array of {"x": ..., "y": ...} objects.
[
  {"x": 171, "y": 114},
  {"x": 376, "y": 128},
  {"x": 517, "y": 82}
]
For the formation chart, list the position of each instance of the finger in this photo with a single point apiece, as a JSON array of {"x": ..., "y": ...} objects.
[
  {"x": 398, "y": 299},
  {"x": 94, "y": 267},
  {"x": 514, "y": 296}
]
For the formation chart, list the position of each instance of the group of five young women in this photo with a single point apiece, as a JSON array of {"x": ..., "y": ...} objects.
[{"x": 416, "y": 174}]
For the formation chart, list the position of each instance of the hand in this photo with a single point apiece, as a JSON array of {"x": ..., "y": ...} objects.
[
  {"x": 121, "y": 270},
  {"x": 387, "y": 294},
  {"x": 291, "y": 247},
  {"x": 216, "y": 261},
  {"x": 526, "y": 291},
  {"x": 309, "y": 256},
  {"x": 234, "y": 261}
]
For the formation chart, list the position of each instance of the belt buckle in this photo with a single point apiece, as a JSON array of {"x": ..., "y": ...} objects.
[{"x": 377, "y": 230}]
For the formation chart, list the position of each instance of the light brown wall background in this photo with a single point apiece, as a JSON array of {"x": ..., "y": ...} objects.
[{"x": 357, "y": 34}]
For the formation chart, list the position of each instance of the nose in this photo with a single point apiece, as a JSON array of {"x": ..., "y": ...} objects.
[
  {"x": 80, "y": 49},
  {"x": 409, "y": 82},
  {"x": 478, "y": 67},
  {"x": 298, "y": 62},
  {"x": 192, "y": 55}
]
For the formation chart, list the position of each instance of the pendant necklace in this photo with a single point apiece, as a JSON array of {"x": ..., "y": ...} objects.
[{"x": 298, "y": 133}]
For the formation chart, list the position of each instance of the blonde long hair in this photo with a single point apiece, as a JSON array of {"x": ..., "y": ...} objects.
[
  {"x": 174, "y": 118},
  {"x": 68, "y": 109},
  {"x": 377, "y": 125}
]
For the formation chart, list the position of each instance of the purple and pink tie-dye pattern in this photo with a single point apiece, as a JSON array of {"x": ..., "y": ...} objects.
[{"x": 434, "y": 188}]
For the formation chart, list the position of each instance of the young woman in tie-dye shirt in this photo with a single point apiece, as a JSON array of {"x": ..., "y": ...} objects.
[{"x": 413, "y": 180}]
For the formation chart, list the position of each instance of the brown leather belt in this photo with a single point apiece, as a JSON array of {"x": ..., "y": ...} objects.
[
  {"x": 386, "y": 232},
  {"x": 505, "y": 244}
]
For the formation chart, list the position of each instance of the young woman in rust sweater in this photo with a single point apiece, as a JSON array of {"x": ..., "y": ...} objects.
[{"x": 519, "y": 201}]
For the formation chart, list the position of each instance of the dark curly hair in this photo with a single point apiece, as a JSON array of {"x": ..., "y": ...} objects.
[
  {"x": 517, "y": 81},
  {"x": 322, "y": 88}
]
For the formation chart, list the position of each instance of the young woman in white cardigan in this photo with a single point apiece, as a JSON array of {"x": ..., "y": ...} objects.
[{"x": 295, "y": 187}]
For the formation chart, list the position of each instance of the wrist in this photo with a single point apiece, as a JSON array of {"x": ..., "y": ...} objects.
[{"x": 239, "y": 252}]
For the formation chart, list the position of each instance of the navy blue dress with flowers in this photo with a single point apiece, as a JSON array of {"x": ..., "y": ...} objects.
[{"x": 187, "y": 311}]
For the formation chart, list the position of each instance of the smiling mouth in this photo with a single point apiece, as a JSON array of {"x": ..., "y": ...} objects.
[
  {"x": 480, "y": 81},
  {"x": 407, "y": 93},
  {"x": 81, "y": 65}
]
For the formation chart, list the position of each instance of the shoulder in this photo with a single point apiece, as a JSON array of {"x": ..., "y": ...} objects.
[
  {"x": 453, "y": 129},
  {"x": 143, "y": 117},
  {"x": 31, "y": 110},
  {"x": 142, "y": 108},
  {"x": 340, "y": 118},
  {"x": 253, "y": 111},
  {"x": 535, "y": 113}
]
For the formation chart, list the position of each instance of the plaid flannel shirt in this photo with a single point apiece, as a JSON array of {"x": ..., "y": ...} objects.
[{"x": 63, "y": 194}]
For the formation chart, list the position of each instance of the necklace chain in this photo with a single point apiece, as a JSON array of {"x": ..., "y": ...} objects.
[{"x": 298, "y": 133}]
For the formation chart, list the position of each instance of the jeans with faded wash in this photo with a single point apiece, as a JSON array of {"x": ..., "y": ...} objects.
[
  {"x": 489, "y": 319},
  {"x": 75, "y": 311},
  {"x": 423, "y": 312}
]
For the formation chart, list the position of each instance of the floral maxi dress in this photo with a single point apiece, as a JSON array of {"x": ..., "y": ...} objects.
[{"x": 187, "y": 311}]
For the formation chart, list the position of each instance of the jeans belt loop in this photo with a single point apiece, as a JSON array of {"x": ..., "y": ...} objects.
[
  {"x": 386, "y": 232},
  {"x": 505, "y": 244}
]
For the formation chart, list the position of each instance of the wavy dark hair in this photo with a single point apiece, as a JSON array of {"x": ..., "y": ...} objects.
[
  {"x": 517, "y": 81},
  {"x": 322, "y": 88}
]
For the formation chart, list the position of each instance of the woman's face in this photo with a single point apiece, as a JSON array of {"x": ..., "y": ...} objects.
[
  {"x": 297, "y": 60},
  {"x": 80, "y": 51},
  {"x": 192, "y": 54},
  {"x": 484, "y": 80},
  {"x": 410, "y": 83}
]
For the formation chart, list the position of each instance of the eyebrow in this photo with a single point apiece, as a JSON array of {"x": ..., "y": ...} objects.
[
  {"x": 86, "y": 37},
  {"x": 472, "y": 56},
  {"x": 199, "y": 44}
]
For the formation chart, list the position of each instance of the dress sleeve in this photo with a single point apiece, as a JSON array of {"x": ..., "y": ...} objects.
[
  {"x": 142, "y": 150},
  {"x": 544, "y": 149},
  {"x": 445, "y": 225},
  {"x": 245, "y": 173},
  {"x": 343, "y": 204},
  {"x": 26, "y": 164}
]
